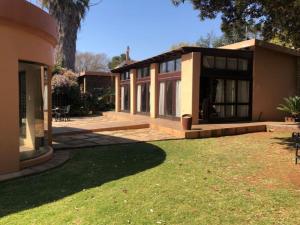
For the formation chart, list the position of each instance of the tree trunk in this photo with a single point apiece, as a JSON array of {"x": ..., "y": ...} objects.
[{"x": 67, "y": 37}]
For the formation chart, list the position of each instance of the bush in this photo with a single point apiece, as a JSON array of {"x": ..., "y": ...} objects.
[{"x": 291, "y": 106}]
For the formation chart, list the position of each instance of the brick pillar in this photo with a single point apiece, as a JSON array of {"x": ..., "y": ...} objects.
[
  {"x": 133, "y": 91},
  {"x": 117, "y": 93},
  {"x": 190, "y": 85},
  {"x": 298, "y": 77},
  {"x": 154, "y": 90}
]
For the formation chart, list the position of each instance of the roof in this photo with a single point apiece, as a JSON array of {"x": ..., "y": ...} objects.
[
  {"x": 95, "y": 73},
  {"x": 263, "y": 44},
  {"x": 176, "y": 53}
]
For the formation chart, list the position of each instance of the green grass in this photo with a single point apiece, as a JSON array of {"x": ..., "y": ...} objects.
[{"x": 228, "y": 180}]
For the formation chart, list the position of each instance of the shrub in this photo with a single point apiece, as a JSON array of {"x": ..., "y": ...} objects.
[{"x": 291, "y": 106}]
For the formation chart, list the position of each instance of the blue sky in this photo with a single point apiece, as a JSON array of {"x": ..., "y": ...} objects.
[{"x": 149, "y": 27}]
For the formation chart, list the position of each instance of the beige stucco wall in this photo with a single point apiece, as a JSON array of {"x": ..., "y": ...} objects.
[
  {"x": 117, "y": 92},
  {"x": 274, "y": 77},
  {"x": 18, "y": 42},
  {"x": 133, "y": 91},
  {"x": 154, "y": 90},
  {"x": 190, "y": 84}
]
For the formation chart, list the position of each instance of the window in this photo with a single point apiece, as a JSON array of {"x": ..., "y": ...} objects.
[
  {"x": 243, "y": 64},
  {"x": 170, "y": 98},
  {"x": 125, "y": 97},
  {"x": 209, "y": 62},
  {"x": 232, "y": 63},
  {"x": 163, "y": 67},
  {"x": 125, "y": 75},
  {"x": 170, "y": 66},
  {"x": 220, "y": 63},
  {"x": 178, "y": 64},
  {"x": 143, "y": 72},
  {"x": 143, "y": 98}
]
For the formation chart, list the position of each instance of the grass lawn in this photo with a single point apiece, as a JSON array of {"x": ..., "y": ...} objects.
[{"x": 247, "y": 179}]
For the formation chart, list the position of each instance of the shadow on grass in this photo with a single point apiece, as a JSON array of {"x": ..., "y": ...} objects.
[
  {"x": 88, "y": 168},
  {"x": 287, "y": 142}
]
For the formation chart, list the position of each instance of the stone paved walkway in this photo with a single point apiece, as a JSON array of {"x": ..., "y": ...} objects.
[
  {"x": 59, "y": 158},
  {"x": 109, "y": 138}
]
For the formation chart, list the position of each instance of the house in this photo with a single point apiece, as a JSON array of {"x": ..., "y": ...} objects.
[
  {"x": 90, "y": 81},
  {"x": 27, "y": 43},
  {"x": 244, "y": 81}
]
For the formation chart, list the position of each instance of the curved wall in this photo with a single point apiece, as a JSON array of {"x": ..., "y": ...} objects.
[{"x": 29, "y": 34}]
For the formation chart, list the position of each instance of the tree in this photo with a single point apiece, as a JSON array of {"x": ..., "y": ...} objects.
[
  {"x": 265, "y": 18},
  {"x": 181, "y": 44},
  {"x": 116, "y": 60},
  {"x": 87, "y": 61},
  {"x": 68, "y": 15}
]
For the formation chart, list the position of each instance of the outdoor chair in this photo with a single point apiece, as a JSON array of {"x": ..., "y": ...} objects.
[
  {"x": 296, "y": 139},
  {"x": 65, "y": 114}
]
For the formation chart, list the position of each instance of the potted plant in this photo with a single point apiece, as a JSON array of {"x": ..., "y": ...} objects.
[{"x": 292, "y": 107}]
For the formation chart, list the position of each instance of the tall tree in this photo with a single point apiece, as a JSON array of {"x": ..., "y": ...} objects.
[
  {"x": 68, "y": 15},
  {"x": 116, "y": 60},
  {"x": 87, "y": 61},
  {"x": 268, "y": 18}
]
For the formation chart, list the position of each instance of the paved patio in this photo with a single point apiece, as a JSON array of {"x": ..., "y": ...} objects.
[{"x": 109, "y": 138}]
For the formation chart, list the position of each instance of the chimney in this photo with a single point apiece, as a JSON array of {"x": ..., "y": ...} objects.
[{"x": 128, "y": 54}]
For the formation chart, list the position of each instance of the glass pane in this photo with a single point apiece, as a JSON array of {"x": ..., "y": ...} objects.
[
  {"x": 163, "y": 67},
  {"x": 171, "y": 66},
  {"x": 144, "y": 98},
  {"x": 122, "y": 98},
  {"x": 178, "y": 64},
  {"x": 146, "y": 72},
  {"x": 243, "y": 111},
  {"x": 169, "y": 98},
  {"x": 219, "y": 111},
  {"x": 33, "y": 114},
  {"x": 243, "y": 91},
  {"x": 220, "y": 63},
  {"x": 162, "y": 98},
  {"x": 243, "y": 64},
  {"x": 218, "y": 91},
  {"x": 230, "y": 110},
  {"x": 230, "y": 91},
  {"x": 209, "y": 62},
  {"x": 140, "y": 73},
  {"x": 231, "y": 63}
]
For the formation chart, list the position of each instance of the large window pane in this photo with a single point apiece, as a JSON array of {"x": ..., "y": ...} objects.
[
  {"x": 122, "y": 98},
  {"x": 144, "y": 98},
  {"x": 163, "y": 67},
  {"x": 139, "y": 98},
  {"x": 230, "y": 91},
  {"x": 243, "y": 91},
  {"x": 220, "y": 63},
  {"x": 230, "y": 110},
  {"x": 169, "y": 98},
  {"x": 219, "y": 91},
  {"x": 171, "y": 66},
  {"x": 219, "y": 111},
  {"x": 243, "y": 111},
  {"x": 232, "y": 63},
  {"x": 162, "y": 98},
  {"x": 243, "y": 64},
  {"x": 209, "y": 62},
  {"x": 178, "y": 64}
]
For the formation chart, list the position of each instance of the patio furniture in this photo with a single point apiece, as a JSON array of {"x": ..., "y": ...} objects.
[
  {"x": 65, "y": 113},
  {"x": 56, "y": 114},
  {"x": 296, "y": 139}
]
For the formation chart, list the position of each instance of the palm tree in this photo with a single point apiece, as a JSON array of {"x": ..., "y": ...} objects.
[{"x": 68, "y": 15}]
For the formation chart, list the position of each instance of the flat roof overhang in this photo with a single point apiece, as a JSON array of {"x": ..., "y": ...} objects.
[{"x": 185, "y": 50}]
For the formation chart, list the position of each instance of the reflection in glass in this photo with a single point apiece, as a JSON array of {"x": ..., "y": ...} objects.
[
  {"x": 243, "y": 91},
  {"x": 209, "y": 61},
  {"x": 220, "y": 63},
  {"x": 243, "y": 64},
  {"x": 230, "y": 91},
  {"x": 161, "y": 99},
  {"x": 232, "y": 63},
  {"x": 33, "y": 110}
]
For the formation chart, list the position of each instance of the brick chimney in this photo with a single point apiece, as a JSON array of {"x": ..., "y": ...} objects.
[{"x": 128, "y": 54}]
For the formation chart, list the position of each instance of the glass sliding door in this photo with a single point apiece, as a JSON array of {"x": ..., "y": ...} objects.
[
  {"x": 228, "y": 99},
  {"x": 125, "y": 97},
  {"x": 170, "y": 98},
  {"x": 143, "y": 97},
  {"x": 33, "y": 110}
]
